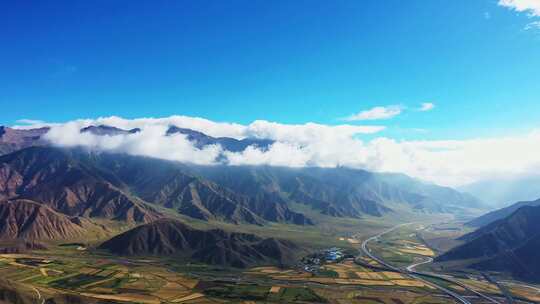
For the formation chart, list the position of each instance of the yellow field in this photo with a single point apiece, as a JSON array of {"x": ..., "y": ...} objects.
[
  {"x": 482, "y": 285},
  {"x": 126, "y": 297},
  {"x": 188, "y": 298},
  {"x": 420, "y": 251},
  {"x": 88, "y": 270},
  {"x": 171, "y": 290},
  {"x": 363, "y": 275},
  {"x": 409, "y": 283},
  {"x": 353, "y": 241},
  {"x": 275, "y": 289},
  {"x": 392, "y": 275},
  {"x": 527, "y": 293}
]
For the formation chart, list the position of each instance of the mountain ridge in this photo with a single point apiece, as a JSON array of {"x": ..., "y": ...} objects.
[
  {"x": 168, "y": 237},
  {"x": 509, "y": 244}
]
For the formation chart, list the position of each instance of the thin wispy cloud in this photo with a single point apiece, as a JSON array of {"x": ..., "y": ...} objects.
[
  {"x": 26, "y": 121},
  {"x": 532, "y": 7},
  {"x": 535, "y": 25},
  {"x": 426, "y": 106},
  {"x": 376, "y": 113}
]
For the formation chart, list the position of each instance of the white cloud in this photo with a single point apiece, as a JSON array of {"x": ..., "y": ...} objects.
[
  {"x": 25, "y": 121},
  {"x": 535, "y": 25},
  {"x": 376, "y": 113},
  {"x": 447, "y": 162},
  {"x": 426, "y": 106},
  {"x": 151, "y": 141},
  {"x": 530, "y": 6}
]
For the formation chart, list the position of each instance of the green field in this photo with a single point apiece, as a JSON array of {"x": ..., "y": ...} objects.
[{"x": 64, "y": 270}]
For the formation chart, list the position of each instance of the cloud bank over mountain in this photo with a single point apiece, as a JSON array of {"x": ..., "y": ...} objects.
[{"x": 446, "y": 162}]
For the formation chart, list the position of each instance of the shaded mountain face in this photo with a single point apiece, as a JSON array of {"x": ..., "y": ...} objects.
[
  {"x": 216, "y": 247},
  {"x": 339, "y": 191},
  {"x": 177, "y": 186},
  {"x": 121, "y": 187},
  {"x": 493, "y": 216},
  {"x": 510, "y": 244},
  {"x": 55, "y": 178},
  {"x": 15, "y": 139},
  {"x": 230, "y": 144}
]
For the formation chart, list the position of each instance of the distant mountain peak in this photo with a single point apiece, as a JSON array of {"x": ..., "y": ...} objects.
[
  {"x": 108, "y": 130},
  {"x": 227, "y": 143}
]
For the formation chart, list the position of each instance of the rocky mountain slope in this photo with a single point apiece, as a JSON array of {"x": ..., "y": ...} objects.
[
  {"x": 510, "y": 244},
  {"x": 24, "y": 219},
  {"x": 53, "y": 177},
  {"x": 216, "y": 247},
  {"x": 176, "y": 186},
  {"x": 81, "y": 182},
  {"x": 340, "y": 191}
]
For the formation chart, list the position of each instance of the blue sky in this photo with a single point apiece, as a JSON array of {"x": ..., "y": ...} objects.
[{"x": 284, "y": 61}]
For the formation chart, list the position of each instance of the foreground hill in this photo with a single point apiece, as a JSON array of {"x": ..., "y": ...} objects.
[
  {"x": 500, "y": 214},
  {"x": 510, "y": 244},
  {"x": 216, "y": 247}
]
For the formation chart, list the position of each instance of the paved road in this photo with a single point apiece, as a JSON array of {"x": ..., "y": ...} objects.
[
  {"x": 366, "y": 250},
  {"x": 502, "y": 288},
  {"x": 417, "y": 275},
  {"x": 39, "y": 295},
  {"x": 411, "y": 268}
]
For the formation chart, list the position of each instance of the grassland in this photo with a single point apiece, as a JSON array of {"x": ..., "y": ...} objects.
[
  {"x": 76, "y": 269},
  {"x": 68, "y": 270}
]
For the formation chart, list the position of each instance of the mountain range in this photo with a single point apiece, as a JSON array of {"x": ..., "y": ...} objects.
[
  {"x": 509, "y": 244},
  {"x": 53, "y": 193}
]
